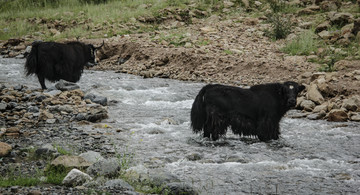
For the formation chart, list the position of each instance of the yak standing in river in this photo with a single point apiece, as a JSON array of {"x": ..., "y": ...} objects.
[
  {"x": 54, "y": 61},
  {"x": 256, "y": 111}
]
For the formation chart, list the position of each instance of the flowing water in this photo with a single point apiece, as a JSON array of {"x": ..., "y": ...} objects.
[{"x": 150, "y": 119}]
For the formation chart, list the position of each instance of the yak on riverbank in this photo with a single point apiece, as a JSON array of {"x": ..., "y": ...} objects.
[
  {"x": 256, "y": 111},
  {"x": 54, "y": 61}
]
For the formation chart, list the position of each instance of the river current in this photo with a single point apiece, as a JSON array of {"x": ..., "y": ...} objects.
[{"x": 149, "y": 118}]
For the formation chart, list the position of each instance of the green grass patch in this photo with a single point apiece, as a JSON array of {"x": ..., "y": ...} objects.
[
  {"x": 14, "y": 177},
  {"x": 76, "y": 19},
  {"x": 19, "y": 180},
  {"x": 55, "y": 174},
  {"x": 62, "y": 150},
  {"x": 174, "y": 38},
  {"x": 305, "y": 44},
  {"x": 228, "y": 52}
]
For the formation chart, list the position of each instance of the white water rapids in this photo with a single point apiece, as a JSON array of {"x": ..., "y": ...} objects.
[{"x": 152, "y": 117}]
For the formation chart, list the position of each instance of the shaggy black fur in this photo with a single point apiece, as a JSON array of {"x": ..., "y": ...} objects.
[
  {"x": 54, "y": 61},
  {"x": 256, "y": 111}
]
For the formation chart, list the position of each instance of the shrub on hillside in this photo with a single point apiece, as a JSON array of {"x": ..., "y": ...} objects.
[{"x": 93, "y": 1}]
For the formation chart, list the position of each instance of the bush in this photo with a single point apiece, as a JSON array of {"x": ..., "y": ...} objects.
[
  {"x": 304, "y": 44},
  {"x": 281, "y": 26},
  {"x": 93, "y": 1},
  {"x": 277, "y": 5}
]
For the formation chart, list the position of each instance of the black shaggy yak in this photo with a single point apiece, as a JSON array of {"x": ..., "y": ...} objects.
[
  {"x": 54, "y": 61},
  {"x": 256, "y": 111}
]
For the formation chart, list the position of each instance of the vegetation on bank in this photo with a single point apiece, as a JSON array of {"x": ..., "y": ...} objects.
[{"x": 62, "y": 19}]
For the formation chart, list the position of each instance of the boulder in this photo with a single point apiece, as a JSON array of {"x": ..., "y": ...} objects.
[
  {"x": 178, "y": 188},
  {"x": 314, "y": 95},
  {"x": 323, "y": 27},
  {"x": 66, "y": 86},
  {"x": 75, "y": 178},
  {"x": 340, "y": 19},
  {"x": 70, "y": 161},
  {"x": 325, "y": 34},
  {"x": 118, "y": 184},
  {"x": 307, "y": 105},
  {"x": 92, "y": 156},
  {"x": 337, "y": 115},
  {"x": 5, "y": 149},
  {"x": 352, "y": 104},
  {"x": 355, "y": 117},
  {"x": 107, "y": 168},
  {"x": 320, "y": 108},
  {"x": 3, "y": 106}
]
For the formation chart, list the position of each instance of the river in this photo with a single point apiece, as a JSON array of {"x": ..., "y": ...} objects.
[{"x": 150, "y": 119}]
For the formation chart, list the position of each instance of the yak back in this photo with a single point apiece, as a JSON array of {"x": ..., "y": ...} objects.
[
  {"x": 254, "y": 103},
  {"x": 57, "y": 61}
]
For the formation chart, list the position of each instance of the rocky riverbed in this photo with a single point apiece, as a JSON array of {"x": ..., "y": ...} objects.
[{"x": 98, "y": 133}]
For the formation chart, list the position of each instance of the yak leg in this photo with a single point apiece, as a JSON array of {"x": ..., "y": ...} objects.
[
  {"x": 206, "y": 131},
  {"x": 42, "y": 81},
  {"x": 267, "y": 130}
]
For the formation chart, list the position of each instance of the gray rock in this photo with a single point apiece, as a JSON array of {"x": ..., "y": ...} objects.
[
  {"x": 92, "y": 156},
  {"x": 118, "y": 184},
  {"x": 75, "y": 178},
  {"x": 3, "y": 106},
  {"x": 355, "y": 117},
  {"x": 51, "y": 121},
  {"x": 80, "y": 117},
  {"x": 11, "y": 105},
  {"x": 96, "y": 113},
  {"x": 314, "y": 95},
  {"x": 319, "y": 108},
  {"x": 18, "y": 87},
  {"x": 53, "y": 92},
  {"x": 89, "y": 96},
  {"x": 194, "y": 157},
  {"x": 107, "y": 168},
  {"x": 352, "y": 104},
  {"x": 316, "y": 116},
  {"x": 40, "y": 97},
  {"x": 100, "y": 100},
  {"x": 160, "y": 177},
  {"x": 33, "y": 109},
  {"x": 45, "y": 151},
  {"x": 307, "y": 105},
  {"x": 96, "y": 99},
  {"x": 66, "y": 86},
  {"x": 325, "y": 34},
  {"x": 178, "y": 188},
  {"x": 137, "y": 173},
  {"x": 70, "y": 161}
]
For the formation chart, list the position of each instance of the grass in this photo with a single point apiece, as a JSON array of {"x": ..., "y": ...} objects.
[
  {"x": 305, "y": 44},
  {"x": 62, "y": 150},
  {"x": 74, "y": 19},
  {"x": 175, "y": 38},
  {"x": 14, "y": 179},
  {"x": 228, "y": 52}
]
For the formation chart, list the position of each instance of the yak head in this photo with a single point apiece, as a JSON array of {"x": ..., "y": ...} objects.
[
  {"x": 93, "y": 61},
  {"x": 289, "y": 91}
]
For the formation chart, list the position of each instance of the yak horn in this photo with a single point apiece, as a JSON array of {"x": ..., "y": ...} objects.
[{"x": 100, "y": 45}]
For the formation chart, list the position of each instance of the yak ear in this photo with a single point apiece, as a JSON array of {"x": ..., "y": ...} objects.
[{"x": 300, "y": 88}]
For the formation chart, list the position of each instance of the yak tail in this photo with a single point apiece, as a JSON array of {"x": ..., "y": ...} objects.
[
  {"x": 31, "y": 64},
  {"x": 198, "y": 112}
]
